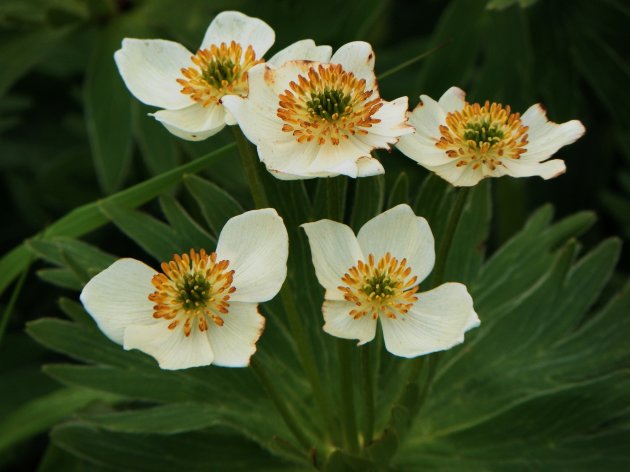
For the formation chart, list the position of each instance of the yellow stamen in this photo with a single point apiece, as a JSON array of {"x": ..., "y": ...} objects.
[
  {"x": 327, "y": 105},
  {"x": 483, "y": 135},
  {"x": 218, "y": 71},
  {"x": 380, "y": 288},
  {"x": 192, "y": 288}
]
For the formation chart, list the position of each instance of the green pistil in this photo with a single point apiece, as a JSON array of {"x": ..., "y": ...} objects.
[
  {"x": 219, "y": 71},
  {"x": 194, "y": 292},
  {"x": 329, "y": 104},
  {"x": 381, "y": 285},
  {"x": 483, "y": 132}
]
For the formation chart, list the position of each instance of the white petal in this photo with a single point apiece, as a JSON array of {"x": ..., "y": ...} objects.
[
  {"x": 452, "y": 100},
  {"x": 334, "y": 249},
  {"x": 278, "y": 79},
  {"x": 256, "y": 114},
  {"x": 368, "y": 166},
  {"x": 290, "y": 158},
  {"x": 546, "y": 137},
  {"x": 436, "y": 322},
  {"x": 427, "y": 117},
  {"x": 231, "y": 26},
  {"x": 193, "y": 123},
  {"x": 150, "y": 69},
  {"x": 119, "y": 296},
  {"x": 392, "y": 124},
  {"x": 305, "y": 50},
  {"x": 357, "y": 57},
  {"x": 422, "y": 150},
  {"x": 235, "y": 342},
  {"x": 459, "y": 176},
  {"x": 404, "y": 235},
  {"x": 339, "y": 323},
  {"x": 338, "y": 159},
  {"x": 546, "y": 170},
  {"x": 170, "y": 347},
  {"x": 257, "y": 245}
]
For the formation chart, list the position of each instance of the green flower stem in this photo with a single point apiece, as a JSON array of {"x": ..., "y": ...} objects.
[
  {"x": 449, "y": 233},
  {"x": 429, "y": 363},
  {"x": 335, "y": 198},
  {"x": 322, "y": 399},
  {"x": 438, "y": 278},
  {"x": 280, "y": 404},
  {"x": 251, "y": 167},
  {"x": 351, "y": 438},
  {"x": 335, "y": 203},
  {"x": 367, "y": 367}
]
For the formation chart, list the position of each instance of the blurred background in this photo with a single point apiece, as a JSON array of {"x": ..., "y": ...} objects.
[{"x": 70, "y": 133}]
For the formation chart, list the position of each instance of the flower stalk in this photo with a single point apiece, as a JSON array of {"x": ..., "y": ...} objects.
[
  {"x": 280, "y": 404},
  {"x": 351, "y": 438},
  {"x": 251, "y": 167},
  {"x": 367, "y": 373},
  {"x": 438, "y": 277}
]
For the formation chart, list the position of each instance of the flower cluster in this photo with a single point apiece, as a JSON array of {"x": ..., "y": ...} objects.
[{"x": 310, "y": 113}]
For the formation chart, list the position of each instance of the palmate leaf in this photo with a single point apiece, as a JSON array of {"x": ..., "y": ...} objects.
[
  {"x": 538, "y": 382},
  {"x": 148, "y": 453}
]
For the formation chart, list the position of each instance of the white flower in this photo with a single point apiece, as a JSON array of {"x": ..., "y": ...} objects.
[
  {"x": 189, "y": 87},
  {"x": 375, "y": 276},
  {"x": 319, "y": 117},
  {"x": 464, "y": 143},
  {"x": 202, "y": 308}
]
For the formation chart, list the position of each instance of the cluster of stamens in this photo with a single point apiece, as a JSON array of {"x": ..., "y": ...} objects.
[
  {"x": 192, "y": 290},
  {"x": 483, "y": 135},
  {"x": 218, "y": 71},
  {"x": 380, "y": 288},
  {"x": 327, "y": 105}
]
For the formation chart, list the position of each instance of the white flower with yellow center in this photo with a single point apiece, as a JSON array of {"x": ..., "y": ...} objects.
[
  {"x": 319, "y": 118},
  {"x": 202, "y": 308},
  {"x": 464, "y": 143},
  {"x": 376, "y": 275},
  {"x": 189, "y": 87}
]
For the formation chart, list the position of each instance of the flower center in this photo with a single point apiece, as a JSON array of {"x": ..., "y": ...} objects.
[
  {"x": 327, "y": 105},
  {"x": 380, "y": 288},
  {"x": 218, "y": 71},
  {"x": 483, "y": 135},
  {"x": 192, "y": 290}
]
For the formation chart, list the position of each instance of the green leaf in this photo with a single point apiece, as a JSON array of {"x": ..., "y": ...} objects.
[
  {"x": 75, "y": 311},
  {"x": 369, "y": 197},
  {"x": 83, "y": 342},
  {"x": 540, "y": 375},
  {"x": 502, "y": 4},
  {"x": 108, "y": 111},
  {"x": 22, "y": 52},
  {"x": 61, "y": 278},
  {"x": 38, "y": 415},
  {"x": 148, "y": 453},
  {"x": 189, "y": 232},
  {"x": 165, "y": 419},
  {"x": 217, "y": 206},
  {"x": 71, "y": 253},
  {"x": 89, "y": 217},
  {"x": 469, "y": 243},
  {"x": 156, "y": 143},
  {"x": 400, "y": 191},
  {"x": 155, "y": 237}
]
